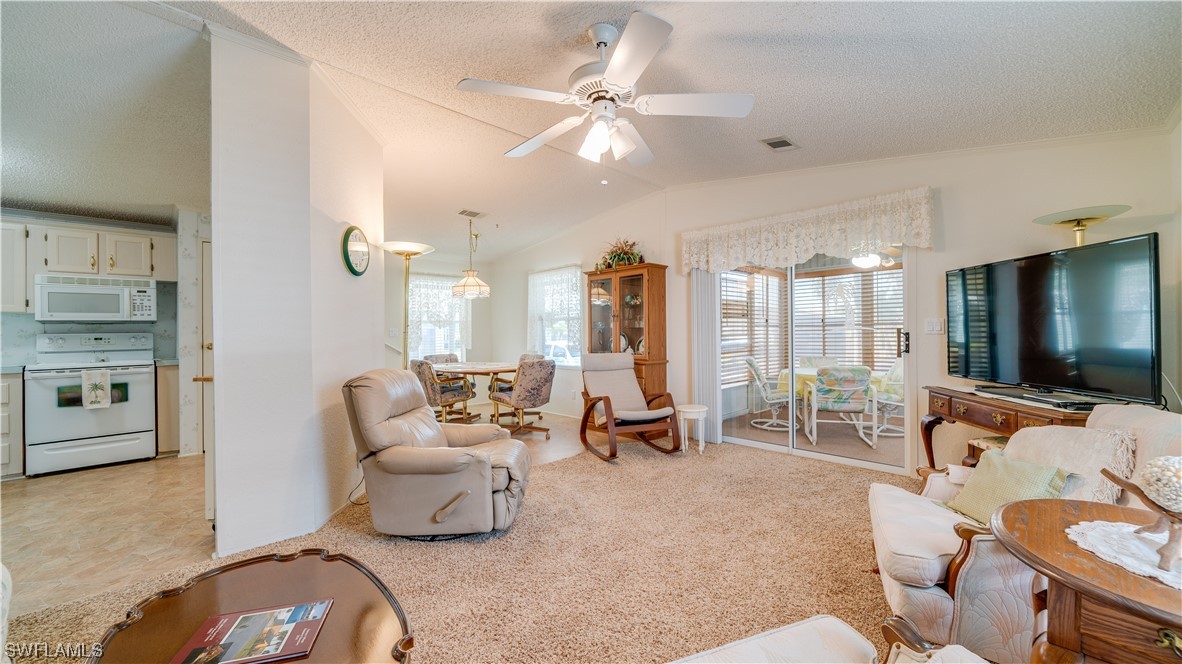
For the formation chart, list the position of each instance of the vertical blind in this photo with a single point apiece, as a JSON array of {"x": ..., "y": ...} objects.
[
  {"x": 755, "y": 323},
  {"x": 853, "y": 316}
]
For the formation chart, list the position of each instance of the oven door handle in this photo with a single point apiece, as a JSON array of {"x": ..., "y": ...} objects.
[{"x": 48, "y": 374}]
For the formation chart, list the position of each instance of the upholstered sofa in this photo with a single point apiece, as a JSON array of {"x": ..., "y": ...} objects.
[
  {"x": 424, "y": 478},
  {"x": 948, "y": 576}
]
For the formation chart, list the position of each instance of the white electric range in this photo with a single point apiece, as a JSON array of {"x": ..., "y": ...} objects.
[{"x": 62, "y": 435}]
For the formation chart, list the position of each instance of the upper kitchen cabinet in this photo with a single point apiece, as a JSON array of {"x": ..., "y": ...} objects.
[
  {"x": 127, "y": 255},
  {"x": 70, "y": 250},
  {"x": 12, "y": 263},
  {"x": 115, "y": 253}
]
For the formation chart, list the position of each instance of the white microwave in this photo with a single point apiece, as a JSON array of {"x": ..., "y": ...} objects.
[{"x": 62, "y": 297}]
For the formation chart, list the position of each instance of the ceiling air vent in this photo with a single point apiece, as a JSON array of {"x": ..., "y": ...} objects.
[
  {"x": 779, "y": 144},
  {"x": 470, "y": 213}
]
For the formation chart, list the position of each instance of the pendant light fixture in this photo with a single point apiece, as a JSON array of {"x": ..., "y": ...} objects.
[{"x": 471, "y": 287}]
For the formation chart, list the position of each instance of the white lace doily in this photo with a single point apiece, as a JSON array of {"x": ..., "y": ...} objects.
[{"x": 1119, "y": 545}]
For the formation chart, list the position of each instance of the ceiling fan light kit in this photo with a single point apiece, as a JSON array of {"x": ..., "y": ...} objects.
[{"x": 604, "y": 86}]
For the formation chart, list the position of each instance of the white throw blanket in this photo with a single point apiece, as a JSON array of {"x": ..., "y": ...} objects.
[{"x": 96, "y": 388}]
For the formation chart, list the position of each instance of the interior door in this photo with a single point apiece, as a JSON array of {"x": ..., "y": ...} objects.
[{"x": 206, "y": 377}]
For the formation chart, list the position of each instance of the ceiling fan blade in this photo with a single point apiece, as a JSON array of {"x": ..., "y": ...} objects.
[
  {"x": 640, "y": 154},
  {"x": 546, "y": 136},
  {"x": 715, "y": 105},
  {"x": 643, "y": 37},
  {"x": 510, "y": 90}
]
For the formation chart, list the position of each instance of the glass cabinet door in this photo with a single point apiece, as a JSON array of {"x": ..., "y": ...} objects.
[
  {"x": 631, "y": 308},
  {"x": 602, "y": 330}
]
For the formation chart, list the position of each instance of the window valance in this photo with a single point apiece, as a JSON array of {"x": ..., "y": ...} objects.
[{"x": 848, "y": 229}]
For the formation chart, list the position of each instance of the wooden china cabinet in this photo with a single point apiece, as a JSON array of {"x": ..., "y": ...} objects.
[{"x": 626, "y": 310}]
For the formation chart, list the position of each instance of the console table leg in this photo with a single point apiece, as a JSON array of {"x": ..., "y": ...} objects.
[{"x": 926, "y": 425}]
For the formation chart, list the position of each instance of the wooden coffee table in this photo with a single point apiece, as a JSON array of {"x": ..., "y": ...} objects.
[{"x": 365, "y": 623}]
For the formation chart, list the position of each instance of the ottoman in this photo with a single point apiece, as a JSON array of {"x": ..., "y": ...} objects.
[{"x": 818, "y": 640}]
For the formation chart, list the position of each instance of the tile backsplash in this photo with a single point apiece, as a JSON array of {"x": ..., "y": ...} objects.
[{"x": 18, "y": 332}]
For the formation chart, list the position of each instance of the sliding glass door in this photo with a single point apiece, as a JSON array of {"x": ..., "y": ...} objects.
[{"x": 811, "y": 357}]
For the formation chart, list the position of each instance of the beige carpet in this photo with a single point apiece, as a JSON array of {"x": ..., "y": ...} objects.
[{"x": 649, "y": 559}]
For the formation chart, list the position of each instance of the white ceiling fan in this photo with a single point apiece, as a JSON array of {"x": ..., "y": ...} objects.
[{"x": 604, "y": 86}]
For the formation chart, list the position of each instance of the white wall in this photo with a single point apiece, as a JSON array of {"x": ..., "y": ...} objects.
[
  {"x": 985, "y": 201},
  {"x": 291, "y": 168},
  {"x": 347, "y": 316}
]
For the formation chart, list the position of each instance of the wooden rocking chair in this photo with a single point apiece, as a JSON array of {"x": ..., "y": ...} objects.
[{"x": 615, "y": 405}]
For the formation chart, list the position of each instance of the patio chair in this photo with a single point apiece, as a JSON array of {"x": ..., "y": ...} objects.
[
  {"x": 615, "y": 405},
  {"x": 817, "y": 361},
  {"x": 848, "y": 392},
  {"x": 773, "y": 397},
  {"x": 890, "y": 400}
]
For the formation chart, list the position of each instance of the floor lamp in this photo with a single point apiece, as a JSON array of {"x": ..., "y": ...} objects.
[{"x": 407, "y": 250}]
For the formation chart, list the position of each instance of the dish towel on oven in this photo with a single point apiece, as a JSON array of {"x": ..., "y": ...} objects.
[{"x": 96, "y": 388}]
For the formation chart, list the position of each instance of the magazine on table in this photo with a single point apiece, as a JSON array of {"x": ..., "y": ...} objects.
[{"x": 258, "y": 635}]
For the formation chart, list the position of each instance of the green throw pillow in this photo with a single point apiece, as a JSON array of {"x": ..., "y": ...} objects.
[{"x": 998, "y": 480}]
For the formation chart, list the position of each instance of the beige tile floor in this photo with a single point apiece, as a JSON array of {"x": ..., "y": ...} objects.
[{"x": 67, "y": 536}]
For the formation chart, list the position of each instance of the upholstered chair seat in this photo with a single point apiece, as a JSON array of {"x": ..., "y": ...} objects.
[{"x": 425, "y": 478}]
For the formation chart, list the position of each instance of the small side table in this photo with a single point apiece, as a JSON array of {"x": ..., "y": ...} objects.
[
  {"x": 1094, "y": 608},
  {"x": 695, "y": 413}
]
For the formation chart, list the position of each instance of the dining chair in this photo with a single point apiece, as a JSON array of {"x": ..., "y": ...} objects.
[
  {"x": 444, "y": 392},
  {"x": 773, "y": 397},
  {"x": 816, "y": 361},
  {"x": 530, "y": 389},
  {"x": 498, "y": 384},
  {"x": 848, "y": 392},
  {"x": 444, "y": 358}
]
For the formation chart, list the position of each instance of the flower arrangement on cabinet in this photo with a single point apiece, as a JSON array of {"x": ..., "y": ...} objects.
[{"x": 620, "y": 252}]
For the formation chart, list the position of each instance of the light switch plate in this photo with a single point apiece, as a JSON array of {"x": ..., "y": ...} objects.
[{"x": 933, "y": 326}]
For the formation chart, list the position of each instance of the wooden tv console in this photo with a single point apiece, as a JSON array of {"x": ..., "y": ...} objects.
[{"x": 1000, "y": 416}]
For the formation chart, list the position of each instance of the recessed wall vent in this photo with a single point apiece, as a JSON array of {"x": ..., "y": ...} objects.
[
  {"x": 470, "y": 213},
  {"x": 779, "y": 144}
]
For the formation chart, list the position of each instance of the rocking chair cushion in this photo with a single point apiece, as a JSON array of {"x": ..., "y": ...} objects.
[{"x": 636, "y": 416}]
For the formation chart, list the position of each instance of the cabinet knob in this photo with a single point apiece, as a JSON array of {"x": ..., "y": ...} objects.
[
  {"x": 939, "y": 402},
  {"x": 961, "y": 409},
  {"x": 110, "y": 261},
  {"x": 998, "y": 419},
  {"x": 1030, "y": 423},
  {"x": 93, "y": 262}
]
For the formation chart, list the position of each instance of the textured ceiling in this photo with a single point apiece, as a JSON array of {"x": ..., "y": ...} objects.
[
  {"x": 104, "y": 110},
  {"x": 846, "y": 81}
]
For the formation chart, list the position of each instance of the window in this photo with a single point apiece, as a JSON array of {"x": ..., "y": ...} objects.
[
  {"x": 853, "y": 316},
  {"x": 439, "y": 323},
  {"x": 754, "y": 323},
  {"x": 555, "y": 315}
]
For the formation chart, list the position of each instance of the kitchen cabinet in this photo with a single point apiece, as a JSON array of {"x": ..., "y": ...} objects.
[
  {"x": 69, "y": 250},
  {"x": 168, "y": 406},
  {"x": 12, "y": 428},
  {"x": 12, "y": 262},
  {"x": 127, "y": 255},
  {"x": 627, "y": 313},
  {"x": 164, "y": 259}
]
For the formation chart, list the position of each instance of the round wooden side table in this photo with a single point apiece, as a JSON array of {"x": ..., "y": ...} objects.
[{"x": 1094, "y": 608}]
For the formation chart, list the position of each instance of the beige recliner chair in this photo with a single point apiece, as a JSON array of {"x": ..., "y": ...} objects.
[{"x": 425, "y": 478}]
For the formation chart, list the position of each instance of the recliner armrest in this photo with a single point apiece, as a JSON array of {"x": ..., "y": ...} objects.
[
  {"x": 511, "y": 454},
  {"x": 426, "y": 460},
  {"x": 464, "y": 435}
]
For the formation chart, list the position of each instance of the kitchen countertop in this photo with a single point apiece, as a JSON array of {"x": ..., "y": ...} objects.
[
  {"x": 167, "y": 363},
  {"x": 15, "y": 368}
]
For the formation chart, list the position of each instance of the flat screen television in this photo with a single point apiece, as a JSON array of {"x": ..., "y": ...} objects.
[{"x": 1085, "y": 321}]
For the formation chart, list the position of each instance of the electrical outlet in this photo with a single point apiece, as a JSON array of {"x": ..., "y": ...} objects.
[{"x": 933, "y": 326}]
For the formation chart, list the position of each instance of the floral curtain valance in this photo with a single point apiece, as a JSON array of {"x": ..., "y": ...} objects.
[{"x": 844, "y": 230}]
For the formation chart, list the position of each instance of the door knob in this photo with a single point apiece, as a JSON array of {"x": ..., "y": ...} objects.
[
  {"x": 202, "y": 379},
  {"x": 209, "y": 345}
]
